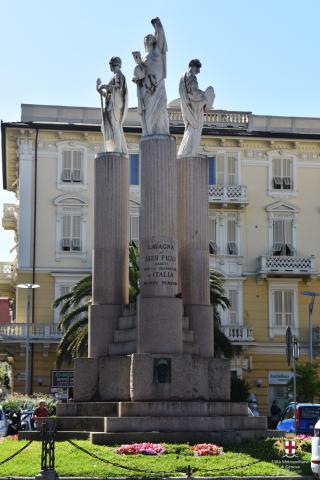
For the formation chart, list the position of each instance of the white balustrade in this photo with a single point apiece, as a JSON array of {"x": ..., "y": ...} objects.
[
  {"x": 228, "y": 193},
  {"x": 287, "y": 264},
  {"x": 37, "y": 331},
  {"x": 238, "y": 333},
  {"x": 217, "y": 118}
]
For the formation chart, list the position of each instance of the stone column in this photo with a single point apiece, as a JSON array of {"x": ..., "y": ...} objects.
[
  {"x": 110, "y": 252},
  {"x": 159, "y": 312},
  {"x": 193, "y": 238}
]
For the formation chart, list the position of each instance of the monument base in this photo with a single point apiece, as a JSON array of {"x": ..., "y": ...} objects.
[{"x": 151, "y": 377}]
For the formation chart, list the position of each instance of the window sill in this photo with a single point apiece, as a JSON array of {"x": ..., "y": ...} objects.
[
  {"x": 282, "y": 193},
  {"x": 74, "y": 255},
  {"x": 71, "y": 187}
]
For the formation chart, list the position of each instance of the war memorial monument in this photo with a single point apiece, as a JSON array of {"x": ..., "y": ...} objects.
[{"x": 152, "y": 375}]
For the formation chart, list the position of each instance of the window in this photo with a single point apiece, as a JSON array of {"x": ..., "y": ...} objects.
[
  {"x": 72, "y": 166},
  {"x": 233, "y": 316},
  {"x": 134, "y": 230},
  {"x": 134, "y": 169},
  {"x": 226, "y": 169},
  {"x": 213, "y": 247},
  {"x": 71, "y": 227},
  {"x": 233, "y": 309},
  {"x": 282, "y": 237},
  {"x": 63, "y": 284},
  {"x": 282, "y": 174},
  {"x": 211, "y": 170},
  {"x": 231, "y": 237},
  {"x": 283, "y": 307},
  {"x": 71, "y": 233}
]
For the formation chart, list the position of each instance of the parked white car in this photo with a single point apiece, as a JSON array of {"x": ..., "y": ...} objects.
[
  {"x": 315, "y": 451},
  {"x": 3, "y": 423}
]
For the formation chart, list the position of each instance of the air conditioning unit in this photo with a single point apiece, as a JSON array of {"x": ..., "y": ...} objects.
[
  {"x": 66, "y": 175},
  {"x": 65, "y": 244},
  {"x": 75, "y": 244},
  {"x": 76, "y": 175}
]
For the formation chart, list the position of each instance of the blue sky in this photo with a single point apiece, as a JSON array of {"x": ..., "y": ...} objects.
[{"x": 260, "y": 56}]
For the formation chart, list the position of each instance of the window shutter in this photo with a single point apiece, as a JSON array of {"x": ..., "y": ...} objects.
[
  {"x": 287, "y": 174},
  {"x": 220, "y": 168},
  {"x": 212, "y": 170},
  {"x": 278, "y": 308},
  {"x": 213, "y": 247},
  {"x": 277, "y": 173},
  {"x": 278, "y": 236},
  {"x": 66, "y": 166},
  {"x": 134, "y": 228},
  {"x": 76, "y": 165},
  {"x": 134, "y": 169},
  {"x": 288, "y": 236},
  {"x": 66, "y": 232},
  {"x": 76, "y": 235},
  {"x": 231, "y": 237},
  {"x": 288, "y": 307},
  {"x": 233, "y": 309},
  {"x": 232, "y": 170}
]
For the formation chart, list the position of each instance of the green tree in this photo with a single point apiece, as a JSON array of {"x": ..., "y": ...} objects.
[
  {"x": 74, "y": 313},
  {"x": 308, "y": 382}
]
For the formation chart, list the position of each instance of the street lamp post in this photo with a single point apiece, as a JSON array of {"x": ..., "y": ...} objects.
[
  {"x": 29, "y": 287},
  {"x": 313, "y": 296}
]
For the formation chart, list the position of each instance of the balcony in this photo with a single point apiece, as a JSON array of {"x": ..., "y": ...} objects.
[
  {"x": 238, "y": 333},
  {"x": 10, "y": 215},
  {"x": 6, "y": 272},
  {"x": 287, "y": 266},
  {"x": 213, "y": 118},
  {"x": 38, "y": 332},
  {"x": 228, "y": 194}
]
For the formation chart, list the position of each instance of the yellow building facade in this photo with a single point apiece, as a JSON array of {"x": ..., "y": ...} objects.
[{"x": 264, "y": 225}]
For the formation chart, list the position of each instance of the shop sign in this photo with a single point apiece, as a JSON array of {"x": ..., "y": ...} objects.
[{"x": 280, "y": 378}]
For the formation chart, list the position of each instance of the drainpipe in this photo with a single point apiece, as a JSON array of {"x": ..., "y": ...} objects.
[{"x": 35, "y": 193}]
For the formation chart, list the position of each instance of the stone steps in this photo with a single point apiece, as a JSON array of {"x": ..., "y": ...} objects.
[
  {"x": 183, "y": 423},
  {"x": 191, "y": 347},
  {"x": 126, "y": 335},
  {"x": 127, "y": 322},
  {"x": 176, "y": 408},
  {"x": 65, "y": 435},
  {"x": 220, "y": 437},
  {"x": 87, "y": 409}
]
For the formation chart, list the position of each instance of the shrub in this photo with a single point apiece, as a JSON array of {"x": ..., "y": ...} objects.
[{"x": 17, "y": 401}]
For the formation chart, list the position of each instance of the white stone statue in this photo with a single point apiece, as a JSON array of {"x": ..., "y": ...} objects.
[
  {"x": 149, "y": 75},
  {"x": 194, "y": 102},
  {"x": 114, "y": 109}
]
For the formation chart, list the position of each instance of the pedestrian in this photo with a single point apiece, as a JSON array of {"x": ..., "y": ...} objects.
[{"x": 40, "y": 412}]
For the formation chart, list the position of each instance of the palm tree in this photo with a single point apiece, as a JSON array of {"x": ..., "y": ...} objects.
[
  {"x": 222, "y": 345},
  {"x": 74, "y": 313}
]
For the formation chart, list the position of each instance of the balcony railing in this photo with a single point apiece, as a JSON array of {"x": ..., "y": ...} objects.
[
  {"x": 228, "y": 194},
  {"x": 287, "y": 265},
  {"x": 6, "y": 271},
  {"x": 37, "y": 332},
  {"x": 217, "y": 118},
  {"x": 238, "y": 333},
  {"x": 9, "y": 219}
]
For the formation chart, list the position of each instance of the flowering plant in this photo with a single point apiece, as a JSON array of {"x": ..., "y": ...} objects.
[
  {"x": 146, "y": 448},
  {"x": 206, "y": 449}
]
